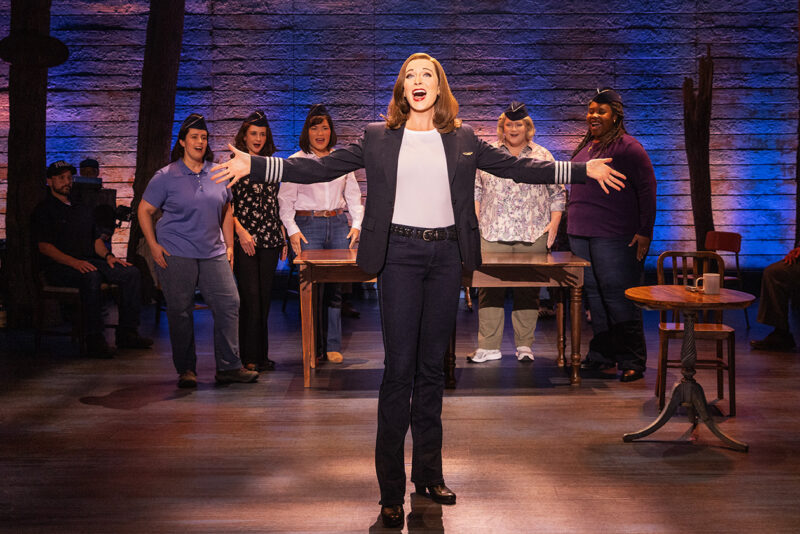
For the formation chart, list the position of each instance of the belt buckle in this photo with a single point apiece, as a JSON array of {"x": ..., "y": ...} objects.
[{"x": 428, "y": 235}]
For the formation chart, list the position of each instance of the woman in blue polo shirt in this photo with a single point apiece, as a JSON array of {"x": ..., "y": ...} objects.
[{"x": 192, "y": 245}]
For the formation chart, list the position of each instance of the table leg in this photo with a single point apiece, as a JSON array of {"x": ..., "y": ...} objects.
[
  {"x": 560, "y": 322},
  {"x": 315, "y": 320},
  {"x": 575, "y": 310},
  {"x": 450, "y": 362},
  {"x": 688, "y": 393},
  {"x": 306, "y": 321}
]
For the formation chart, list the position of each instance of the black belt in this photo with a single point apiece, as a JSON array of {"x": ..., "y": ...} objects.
[{"x": 426, "y": 234}]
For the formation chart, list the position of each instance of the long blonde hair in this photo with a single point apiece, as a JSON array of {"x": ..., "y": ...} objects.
[{"x": 445, "y": 109}]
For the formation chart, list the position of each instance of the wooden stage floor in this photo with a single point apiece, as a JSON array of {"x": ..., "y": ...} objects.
[{"x": 112, "y": 446}]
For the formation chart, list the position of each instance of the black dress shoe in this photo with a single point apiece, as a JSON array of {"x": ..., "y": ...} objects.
[
  {"x": 777, "y": 340},
  {"x": 392, "y": 516},
  {"x": 268, "y": 365},
  {"x": 438, "y": 493},
  {"x": 631, "y": 376},
  {"x": 594, "y": 369}
]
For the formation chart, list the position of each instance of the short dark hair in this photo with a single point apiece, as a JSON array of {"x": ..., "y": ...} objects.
[{"x": 305, "y": 143}]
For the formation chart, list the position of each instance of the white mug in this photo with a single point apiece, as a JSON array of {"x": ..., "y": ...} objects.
[{"x": 709, "y": 282}]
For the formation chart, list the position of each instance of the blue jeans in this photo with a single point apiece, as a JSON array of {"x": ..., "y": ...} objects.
[
  {"x": 616, "y": 321},
  {"x": 327, "y": 233},
  {"x": 215, "y": 279}
]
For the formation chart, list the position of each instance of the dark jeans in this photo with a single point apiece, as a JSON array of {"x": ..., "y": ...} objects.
[
  {"x": 327, "y": 233},
  {"x": 616, "y": 321},
  {"x": 419, "y": 288},
  {"x": 215, "y": 279},
  {"x": 779, "y": 283},
  {"x": 127, "y": 278},
  {"x": 254, "y": 276}
]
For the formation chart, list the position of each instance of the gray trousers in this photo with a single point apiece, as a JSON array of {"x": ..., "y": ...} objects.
[
  {"x": 215, "y": 279},
  {"x": 779, "y": 284},
  {"x": 491, "y": 301}
]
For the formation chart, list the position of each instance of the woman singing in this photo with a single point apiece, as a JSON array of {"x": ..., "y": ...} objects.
[
  {"x": 194, "y": 247},
  {"x": 261, "y": 242},
  {"x": 514, "y": 218},
  {"x": 419, "y": 231},
  {"x": 613, "y": 232},
  {"x": 314, "y": 217}
]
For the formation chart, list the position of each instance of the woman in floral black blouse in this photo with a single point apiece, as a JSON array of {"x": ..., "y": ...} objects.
[{"x": 260, "y": 242}]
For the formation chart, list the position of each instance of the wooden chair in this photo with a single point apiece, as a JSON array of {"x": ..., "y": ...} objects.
[
  {"x": 728, "y": 242},
  {"x": 679, "y": 268},
  {"x": 69, "y": 296}
]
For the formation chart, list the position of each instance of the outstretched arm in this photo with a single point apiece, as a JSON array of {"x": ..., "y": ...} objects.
[
  {"x": 605, "y": 175},
  {"x": 272, "y": 170},
  {"x": 531, "y": 171}
]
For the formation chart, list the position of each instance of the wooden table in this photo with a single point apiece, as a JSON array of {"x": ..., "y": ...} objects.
[
  {"x": 316, "y": 267},
  {"x": 558, "y": 269},
  {"x": 687, "y": 392}
]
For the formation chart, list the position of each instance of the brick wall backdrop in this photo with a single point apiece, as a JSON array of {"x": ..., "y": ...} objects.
[{"x": 239, "y": 55}]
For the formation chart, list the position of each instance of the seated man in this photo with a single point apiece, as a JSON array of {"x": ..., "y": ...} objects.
[
  {"x": 781, "y": 280},
  {"x": 74, "y": 254}
]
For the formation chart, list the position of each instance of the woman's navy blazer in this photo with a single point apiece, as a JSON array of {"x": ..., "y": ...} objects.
[{"x": 377, "y": 152}]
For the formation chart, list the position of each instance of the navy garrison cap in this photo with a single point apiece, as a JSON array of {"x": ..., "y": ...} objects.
[
  {"x": 607, "y": 95},
  {"x": 516, "y": 111},
  {"x": 257, "y": 118},
  {"x": 195, "y": 120}
]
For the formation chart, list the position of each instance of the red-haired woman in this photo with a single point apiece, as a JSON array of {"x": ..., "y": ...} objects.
[{"x": 419, "y": 231}]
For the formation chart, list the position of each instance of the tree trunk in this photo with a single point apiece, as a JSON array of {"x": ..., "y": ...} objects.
[
  {"x": 162, "y": 57},
  {"x": 27, "y": 98},
  {"x": 696, "y": 129},
  {"x": 797, "y": 161}
]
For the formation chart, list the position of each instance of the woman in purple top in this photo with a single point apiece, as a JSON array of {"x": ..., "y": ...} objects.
[
  {"x": 613, "y": 232},
  {"x": 190, "y": 250}
]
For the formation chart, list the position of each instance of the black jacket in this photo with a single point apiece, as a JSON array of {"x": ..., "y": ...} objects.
[{"x": 377, "y": 151}]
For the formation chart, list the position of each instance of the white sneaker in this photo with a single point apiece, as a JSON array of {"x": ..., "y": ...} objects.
[
  {"x": 524, "y": 353},
  {"x": 484, "y": 355}
]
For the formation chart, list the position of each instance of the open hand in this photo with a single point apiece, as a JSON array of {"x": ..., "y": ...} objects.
[
  {"x": 642, "y": 244},
  {"x": 113, "y": 260},
  {"x": 159, "y": 254},
  {"x": 605, "y": 175},
  {"x": 247, "y": 242},
  {"x": 83, "y": 266},
  {"x": 294, "y": 240},
  {"x": 792, "y": 256},
  {"x": 353, "y": 236},
  {"x": 234, "y": 169}
]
